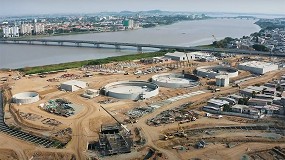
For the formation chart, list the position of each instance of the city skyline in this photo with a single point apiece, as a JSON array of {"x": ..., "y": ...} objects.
[{"x": 32, "y": 7}]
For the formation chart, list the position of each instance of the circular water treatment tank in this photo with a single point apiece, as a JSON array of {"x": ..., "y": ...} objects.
[
  {"x": 133, "y": 90},
  {"x": 171, "y": 80},
  {"x": 213, "y": 71},
  {"x": 26, "y": 97}
]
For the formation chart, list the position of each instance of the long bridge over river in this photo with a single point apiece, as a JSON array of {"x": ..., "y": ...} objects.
[{"x": 139, "y": 46}]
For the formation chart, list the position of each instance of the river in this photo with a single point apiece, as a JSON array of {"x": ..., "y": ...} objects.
[{"x": 186, "y": 33}]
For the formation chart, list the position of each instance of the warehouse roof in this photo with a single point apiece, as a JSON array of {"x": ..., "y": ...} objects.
[
  {"x": 75, "y": 83},
  {"x": 218, "y": 102}
]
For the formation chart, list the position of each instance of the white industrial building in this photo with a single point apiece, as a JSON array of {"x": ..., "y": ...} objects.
[
  {"x": 180, "y": 56},
  {"x": 73, "y": 85},
  {"x": 222, "y": 80},
  {"x": 257, "y": 67}
]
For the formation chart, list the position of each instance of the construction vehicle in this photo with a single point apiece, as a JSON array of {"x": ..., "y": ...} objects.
[{"x": 168, "y": 136}]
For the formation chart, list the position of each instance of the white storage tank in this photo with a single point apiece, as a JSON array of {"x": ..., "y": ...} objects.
[
  {"x": 222, "y": 80},
  {"x": 26, "y": 97}
]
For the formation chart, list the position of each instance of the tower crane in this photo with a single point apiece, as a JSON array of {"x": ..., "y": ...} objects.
[{"x": 120, "y": 123}]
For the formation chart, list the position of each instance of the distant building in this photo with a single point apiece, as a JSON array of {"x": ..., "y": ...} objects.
[
  {"x": 39, "y": 28},
  {"x": 128, "y": 23},
  {"x": 180, "y": 56},
  {"x": 257, "y": 67},
  {"x": 26, "y": 29},
  {"x": 10, "y": 31}
]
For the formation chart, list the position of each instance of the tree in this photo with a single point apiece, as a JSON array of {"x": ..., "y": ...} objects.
[
  {"x": 243, "y": 101},
  {"x": 227, "y": 108},
  {"x": 259, "y": 47},
  {"x": 253, "y": 94}
]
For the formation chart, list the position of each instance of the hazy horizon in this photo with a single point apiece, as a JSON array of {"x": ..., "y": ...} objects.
[{"x": 34, "y": 7}]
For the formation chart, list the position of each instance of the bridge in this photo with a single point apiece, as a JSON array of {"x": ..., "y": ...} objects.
[{"x": 98, "y": 44}]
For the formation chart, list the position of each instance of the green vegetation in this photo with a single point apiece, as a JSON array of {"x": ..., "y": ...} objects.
[
  {"x": 259, "y": 47},
  {"x": 227, "y": 108},
  {"x": 222, "y": 43},
  {"x": 243, "y": 101},
  {"x": 63, "y": 66}
]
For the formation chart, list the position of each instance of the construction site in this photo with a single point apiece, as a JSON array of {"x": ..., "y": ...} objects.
[{"x": 143, "y": 110}]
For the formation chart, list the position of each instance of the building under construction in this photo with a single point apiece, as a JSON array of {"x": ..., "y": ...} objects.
[{"x": 113, "y": 140}]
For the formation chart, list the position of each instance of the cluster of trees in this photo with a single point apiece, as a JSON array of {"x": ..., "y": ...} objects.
[
  {"x": 260, "y": 47},
  {"x": 222, "y": 43}
]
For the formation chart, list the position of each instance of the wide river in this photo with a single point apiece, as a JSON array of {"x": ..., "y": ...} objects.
[{"x": 187, "y": 33}]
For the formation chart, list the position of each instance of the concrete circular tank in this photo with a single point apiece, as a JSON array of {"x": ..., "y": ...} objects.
[
  {"x": 213, "y": 71},
  {"x": 133, "y": 90},
  {"x": 26, "y": 97},
  {"x": 171, "y": 80}
]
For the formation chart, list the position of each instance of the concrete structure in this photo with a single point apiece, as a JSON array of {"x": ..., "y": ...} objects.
[
  {"x": 222, "y": 80},
  {"x": 180, "y": 56},
  {"x": 73, "y": 85},
  {"x": 170, "y": 80},
  {"x": 133, "y": 90},
  {"x": 26, "y": 97},
  {"x": 213, "y": 71},
  {"x": 257, "y": 67}
]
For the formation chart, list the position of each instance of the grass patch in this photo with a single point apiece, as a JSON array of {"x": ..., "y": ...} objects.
[{"x": 69, "y": 65}]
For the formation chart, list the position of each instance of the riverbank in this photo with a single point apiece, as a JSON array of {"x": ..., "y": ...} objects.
[
  {"x": 70, "y": 65},
  {"x": 91, "y": 32}
]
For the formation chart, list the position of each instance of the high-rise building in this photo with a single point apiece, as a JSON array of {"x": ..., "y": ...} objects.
[
  {"x": 26, "y": 29},
  {"x": 6, "y": 32},
  {"x": 15, "y": 31},
  {"x": 11, "y": 31},
  {"x": 128, "y": 23},
  {"x": 39, "y": 28}
]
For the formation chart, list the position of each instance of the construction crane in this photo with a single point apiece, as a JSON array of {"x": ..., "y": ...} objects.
[{"x": 121, "y": 124}]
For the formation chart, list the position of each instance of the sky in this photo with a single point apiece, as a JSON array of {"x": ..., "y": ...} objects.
[{"x": 28, "y": 7}]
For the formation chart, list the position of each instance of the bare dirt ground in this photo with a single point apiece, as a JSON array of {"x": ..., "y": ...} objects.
[
  {"x": 86, "y": 124},
  {"x": 219, "y": 151},
  {"x": 8, "y": 154}
]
